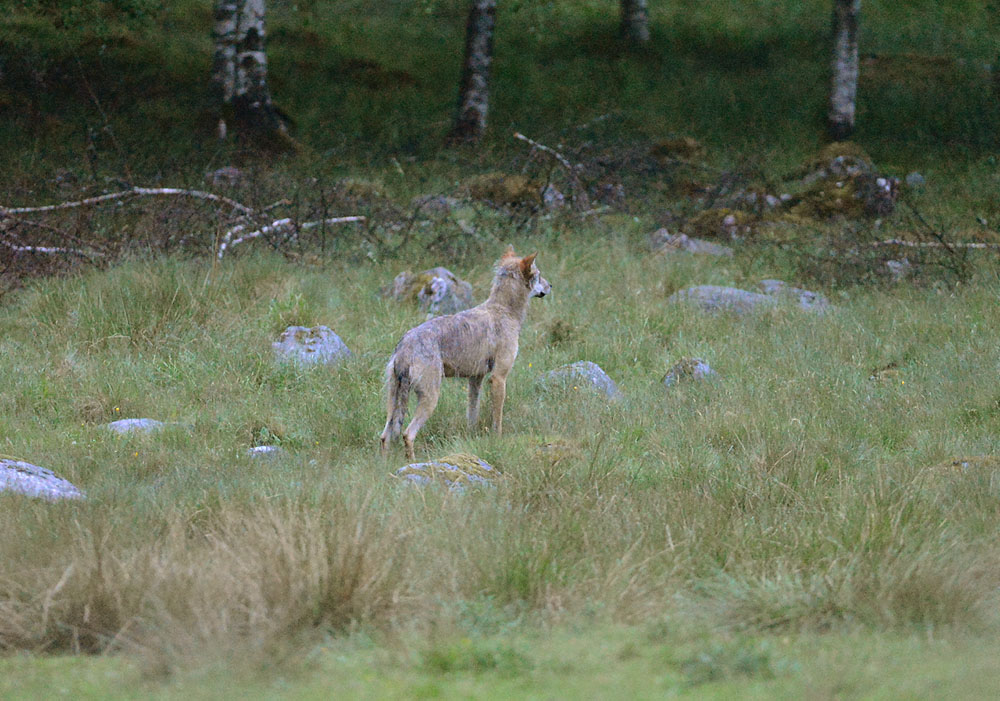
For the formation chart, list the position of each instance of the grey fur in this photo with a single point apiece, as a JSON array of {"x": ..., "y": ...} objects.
[{"x": 471, "y": 344}]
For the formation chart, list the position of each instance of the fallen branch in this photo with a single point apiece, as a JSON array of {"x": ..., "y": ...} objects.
[
  {"x": 125, "y": 194},
  {"x": 933, "y": 244},
  {"x": 580, "y": 198},
  {"x": 50, "y": 249},
  {"x": 228, "y": 241}
]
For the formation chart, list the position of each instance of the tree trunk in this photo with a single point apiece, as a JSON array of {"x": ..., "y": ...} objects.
[
  {"x": 474, "y": 90},
  {"x": 844, "y": 87},
  {"x": 239, "y": 67},
  {"x": 635, "y": 22}
]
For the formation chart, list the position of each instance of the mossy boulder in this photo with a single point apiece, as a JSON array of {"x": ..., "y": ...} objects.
[
  {"x": 688, "y": 369},
  {"x": 457, "y": 472},
  {"x": 508, "y": 189},
  {"x": 683, "y": 148},
  {"x": 836, "y": 160},
  {"x": 727, "y": 224},
  {"x": 437, "y": 291},
  {"x": 852, "y": 197}
]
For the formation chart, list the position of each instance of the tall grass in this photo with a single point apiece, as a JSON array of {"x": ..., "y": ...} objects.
[{"x": 794, "y": 492}]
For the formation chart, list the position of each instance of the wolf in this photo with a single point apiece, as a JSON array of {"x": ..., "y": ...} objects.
[{"x": 470, "y": 344}]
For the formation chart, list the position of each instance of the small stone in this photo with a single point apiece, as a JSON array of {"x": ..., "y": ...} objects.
[
  {"x": 582, "y": 374},
  {"x": 899, "y": 269},
  {"x": 915, "y": 179},
  {"x": 22, "y": 477},
  {"x": 309, "y": 346},
  {"x": 123, "y": 426},
  {"x": 688, "y": 369},
  {"x": 265, "y": 451}
]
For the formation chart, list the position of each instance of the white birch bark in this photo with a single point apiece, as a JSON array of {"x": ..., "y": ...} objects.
[
  {"x": 634, "y": 22},
  {"x": 474, "y": 90},
  {"x": 239, "y": 65},
  {"x": 844, "y": 86}
]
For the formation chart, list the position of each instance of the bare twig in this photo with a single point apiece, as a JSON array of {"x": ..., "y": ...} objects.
[
  {"x": 580, "y": 198},
  {"x": 278, "y": 225}
]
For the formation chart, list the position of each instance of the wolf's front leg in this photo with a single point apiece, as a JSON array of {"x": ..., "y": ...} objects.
[
  {"x": 475, "y": 384},
  {"x": 498, "y": 388}
]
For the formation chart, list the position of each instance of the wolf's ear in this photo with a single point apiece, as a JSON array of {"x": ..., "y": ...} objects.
[
  {"x": 509, "y": 253},
  {"x": 526, "y": 264}
]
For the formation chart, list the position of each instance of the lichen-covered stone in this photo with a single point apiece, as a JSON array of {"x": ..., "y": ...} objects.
[
  {"x": 841, "y": 182},
  {"x": 688, "y": 369},
  {"x": 438, "y": 291},
  {"x": 22, "y": 477},
  {"x": 727, "y": 224},
  {"x": 581, "y": 375},
  {"x": 662, "y": 241},
  {"x": 457, "y": 472},
  {"x": 309, "y": 346}
]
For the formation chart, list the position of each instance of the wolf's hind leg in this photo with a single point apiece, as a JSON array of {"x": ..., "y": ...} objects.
[{"x": 427, "y": 399}]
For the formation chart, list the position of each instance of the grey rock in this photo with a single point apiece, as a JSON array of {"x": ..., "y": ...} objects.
[
  {"x": 915, "y": 179},
  {"x": 456, "y": 472},
  {"x": 309, "y": 346},
  {"x": 582, "y": 373},
  {"x": 663, "y": 241},
  {"x": 713, "y": 298},
  {"x": 438, "y": 291},
  {"x": 688, "y": 369},
  {"x": 806, "y": 299},
  {"x": 123, "y": 426},
  {"x": 24, "y": 478}
]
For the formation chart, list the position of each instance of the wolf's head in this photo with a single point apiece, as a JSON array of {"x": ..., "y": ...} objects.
[{"x": 528, "y": 271}]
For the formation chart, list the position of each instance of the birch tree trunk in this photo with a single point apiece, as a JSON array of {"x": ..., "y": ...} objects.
[
  {"x": 239, "y": 66},
  {"x": 474, "y": 89},
  {"x": 635, "y": 22},
  {"x": 844, "y": 87}
]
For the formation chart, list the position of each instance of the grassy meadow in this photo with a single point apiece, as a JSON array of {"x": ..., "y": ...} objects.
[
  {"x": 795, "y": 528},
  {"x": 714, "y": 532}
]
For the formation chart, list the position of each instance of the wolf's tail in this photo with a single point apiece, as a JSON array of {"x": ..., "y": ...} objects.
[{"x": 397, "y": 385}]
